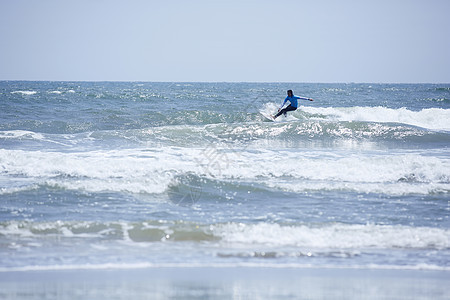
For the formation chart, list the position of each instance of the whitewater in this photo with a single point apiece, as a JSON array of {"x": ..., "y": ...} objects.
[{"x": 97, "y": 175}]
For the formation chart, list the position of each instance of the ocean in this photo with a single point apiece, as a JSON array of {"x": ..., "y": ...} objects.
[{"x": 142, "y": 176}]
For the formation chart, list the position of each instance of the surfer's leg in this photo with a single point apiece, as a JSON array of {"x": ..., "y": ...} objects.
[
  {"x": 290, "y": 108},
  {"x": 284, "y": 111}
]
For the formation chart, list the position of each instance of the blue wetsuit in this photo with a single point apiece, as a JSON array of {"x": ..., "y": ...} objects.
[{"x": 292, "y": 106}]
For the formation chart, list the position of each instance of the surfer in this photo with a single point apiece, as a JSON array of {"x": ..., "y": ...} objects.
[{"x": 293, "y": 104}]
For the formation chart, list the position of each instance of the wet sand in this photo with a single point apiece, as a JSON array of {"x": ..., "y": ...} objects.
[{"x": 225, "y": 283}]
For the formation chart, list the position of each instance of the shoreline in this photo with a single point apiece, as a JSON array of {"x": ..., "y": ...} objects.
[
  {"x": 148, "y": 265},
  {"x": 224, "y": 283}
]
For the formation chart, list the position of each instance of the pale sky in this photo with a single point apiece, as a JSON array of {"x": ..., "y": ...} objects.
[{"x": 378, "y": 41}]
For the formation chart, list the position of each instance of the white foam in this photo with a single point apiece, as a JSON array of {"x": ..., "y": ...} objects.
[
  {"x": 27, "y": 135},
  {"x": 335, "y": 236},
  {"x": 15, "y": 229},
  {"x": 430, "y": 118},
  {"x": 25, "y": 229},
  {"x": 378, "y": 173},
  {"x": 21, "y": 134},
  {"x": 153, "y": 171},
  {"x": 336, "y": 166},
  {"x": 393, "y": 189},
  {"x": 17, "y": 189},
  {"x": 131, "y": 171},
  {"x": 272, "y": 109},
  {"x": 26, "y": 93}
]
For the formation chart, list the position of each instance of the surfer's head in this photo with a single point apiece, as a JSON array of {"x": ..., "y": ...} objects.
[{"x": 290, "y": 93}]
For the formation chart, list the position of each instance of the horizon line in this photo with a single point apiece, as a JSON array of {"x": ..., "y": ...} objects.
[{"x": 163, "y": 81}]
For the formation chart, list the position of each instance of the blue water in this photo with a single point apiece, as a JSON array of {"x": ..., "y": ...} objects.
[{"x": 133, "y": 174}]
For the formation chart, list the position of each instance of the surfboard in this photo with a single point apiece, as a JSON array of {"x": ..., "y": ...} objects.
[{"x": 268, "y": 116}]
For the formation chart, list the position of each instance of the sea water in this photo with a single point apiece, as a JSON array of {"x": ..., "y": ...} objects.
[{"x": 97, "y": 175}]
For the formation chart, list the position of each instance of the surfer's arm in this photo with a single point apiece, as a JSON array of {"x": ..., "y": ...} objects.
[
  {"x": 304, "y": 98},
  {"x": 285, "y": 100}
]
